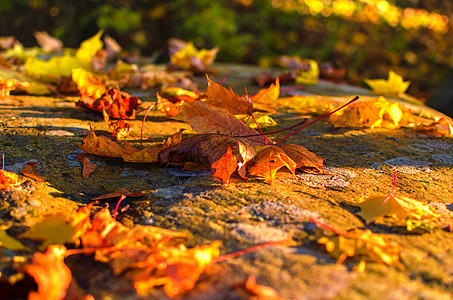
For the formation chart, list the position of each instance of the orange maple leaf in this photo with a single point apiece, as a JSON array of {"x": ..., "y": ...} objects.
[
  {"x": 50, "y": 274},
  {"x": 225, "y": 166},
  {"x": 269, "y": 160}
]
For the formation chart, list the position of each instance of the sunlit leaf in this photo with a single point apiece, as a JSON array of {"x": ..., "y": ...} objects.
[
  {"x": 372, "y": 113},
  {"x": 362, "y": 244},
  {"x": 11, "y": 243},
  {"x": 393, "y": 86},
  {"x": 87, "y": 83},
  {"x": 268, "y": 161},
  {"x": 8, "y": 180},
  {"x": 50, "y": 274}
]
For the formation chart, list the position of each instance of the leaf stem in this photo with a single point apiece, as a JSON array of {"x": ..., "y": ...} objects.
[
  {"x": 395, "y": 172},
  {"x": 320, "y": 118},
  {"x": 143, "y": 124},
  {"x": 259, "y": 128},
  {"x": 253, "y": 248},
  {"x": 115, "y": 212},
  {"x": 276, "y": 131}
]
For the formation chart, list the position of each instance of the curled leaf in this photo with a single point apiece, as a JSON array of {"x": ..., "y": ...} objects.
[
  {"x": 306, "y": 161},
  {"x": 268, "y": 161},
  {"x": 88, "y": 167},
  {"x": 29, "y": 171}
]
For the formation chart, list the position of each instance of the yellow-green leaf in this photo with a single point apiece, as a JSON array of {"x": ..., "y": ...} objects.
[{"x": 393, "y": 86}]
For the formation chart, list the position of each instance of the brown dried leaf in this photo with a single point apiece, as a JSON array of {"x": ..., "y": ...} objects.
[
  {"x": 29, "y": 171},
  {"x": 88, "y": 167},
  {"x": 205, "y": 118},
  {"x": 306, "y": 161},
  {"x": 104, "y": 146},
  {"x": 227, "y": 100},
  {"x": 268, "y": 161},
  {"x": 439, "y": 128},
  {"x": 117, "y": 104},
  {"x": 225, "y": 166},
  {"x": 206, "y": 150},
  {"x": 148, "y": 155},
  {"x": 266, "y": 100}
]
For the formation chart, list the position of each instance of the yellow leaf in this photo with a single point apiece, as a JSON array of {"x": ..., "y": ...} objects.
[
  {"x": 309, "y": 76},
  {"x": 59, "y": 228},
  {"x": 11, "y": 243},
  {"x": 372, "y": 113},
  {"x": 183, "y": 58},
  {"x": 89, "y": 47},
  {"x": 363, "y": 244},
  {"x": 393, "y": 86},
  {"x": 401, "y": 207},
  {"x": 59, "y": 66},
  {"x": 87, "y": 83}
]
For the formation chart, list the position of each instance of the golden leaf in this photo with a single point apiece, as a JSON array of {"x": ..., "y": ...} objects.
[
  {"x": 363, "y": 244},
  {"x": 8, "y": 180},
  {"x": 11, "y": 243},
  {"x": 87, "y": 83},
  {"x": 268, "y": 161},
  {"x": 50, "y": 274},
  {"x": 393, "y": 86}
]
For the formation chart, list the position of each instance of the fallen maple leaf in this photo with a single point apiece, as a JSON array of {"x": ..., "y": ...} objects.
[
  {"x": 372, "y": 113},
  {"x": 225, "y": 166},
  {"x": 115, "y": 103},
  {"x": 59, "y": 228},
  {"x": 363, "y": 244},
  {"x": 186, "y": 56},
  {"x": 227, "y": 100},
  {"x": 401, "y": 207},
  {"x": 205, "y": 118},
  {"x": 266, "y": 100},
  {"x": 88, "y": 167},
  {"x": 177, "y": 269},
  {"x": 50, "y": 274},
  {"x": 8, "y": 242},
  {"x": 305, "y": 160},
  {"x": 103, "y": 146},
  {"x": 207, "y": 150},
  {"x": 171, "y": 99},
  {"x": 439, "y": 128},
  {"x": 28, "y": 170},
  {"x": 8, "y": 180},
  {"x": 88, "y": 84},
  {"x": 268, "y": 161},
  {"x": 59, "y": 66},
  {"x": 393, "y": 86}
]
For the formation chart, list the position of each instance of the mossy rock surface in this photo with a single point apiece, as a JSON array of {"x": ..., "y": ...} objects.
[{"x": 246, "y": 212}]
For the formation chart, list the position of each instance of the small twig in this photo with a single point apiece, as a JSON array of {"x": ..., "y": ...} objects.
[
  {"x": 143, "y": 124},
  {"x": 115, "y": 212},
  {"x": 320, "y": 118}
]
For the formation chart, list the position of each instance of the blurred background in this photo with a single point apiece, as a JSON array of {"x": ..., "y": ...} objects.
[{"x": 368, "y": 37}]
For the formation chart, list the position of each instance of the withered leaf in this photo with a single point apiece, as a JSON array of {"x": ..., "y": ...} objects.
[
  {"x": 103, "y": 146},
  {"x": 266, "y": 100},
  {"x": 206, "y": 150},
  {"x": 88, "y": 167},
  {"x": 205, "y": 118},
  {"x": 117, "y": 104},
  {"x": 225, "y": 166},
  {"x": 306, "y": 161},
  {"x": 227, "y": 100},
  {"x": 29, "y": 171},
  {"x": 50, "y": 274},
  {"x": 148, "y": 155},
  {"x": 268, "y": 161}
]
